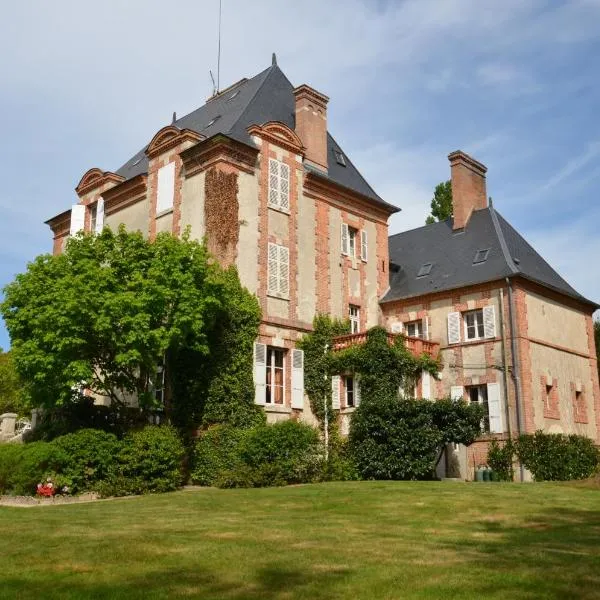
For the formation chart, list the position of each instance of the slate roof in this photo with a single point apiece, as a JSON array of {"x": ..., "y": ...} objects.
[
  {"x": 452, "y": 255},
  {"x": 266, "y": 97}
]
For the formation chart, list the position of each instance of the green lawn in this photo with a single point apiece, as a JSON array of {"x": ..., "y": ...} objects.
[{"x": 340, "y": 540}]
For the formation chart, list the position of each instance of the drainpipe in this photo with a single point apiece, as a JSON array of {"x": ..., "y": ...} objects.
[
  {"x": 515, "y": 368},
  {"x": 504, "y": 363}
]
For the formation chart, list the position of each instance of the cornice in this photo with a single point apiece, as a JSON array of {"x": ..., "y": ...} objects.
[
  {"x": 94, "y": 178},
  {"x": 279, "y": 134},
  {"x": 170, "y": 137},
  {"x": 123, "y": 195},
  {"x": 60, "y": 224}
]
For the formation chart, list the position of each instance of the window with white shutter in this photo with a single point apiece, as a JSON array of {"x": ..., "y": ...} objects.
[
  {"x": 279, "y": 185},
  {"x": 454, "y": 328},
  {"x": 99, "y": 225},
  {"x": 165, "y": 189},
  {"x": 425, "y": 328},
  {"x": 397, "y": 327},
  {"x": 494, "y": 401},
  {"x": 77, "y": 219},
  {"x": 335, "y": 392},
  {"x": 345, "y": 239},
  {"x": 260, "y": 373},
  {"x": 298, "y": 379},
  {"x": 278, "y": 270},
  {"x": 457, "y": 392},
  {"x": 363, "y": 245},
  {"x": 489, "y": 322},
  {"x": 426, "y": 385}
]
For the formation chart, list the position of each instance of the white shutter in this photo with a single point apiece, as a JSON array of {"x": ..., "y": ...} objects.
[
  {"x": 363, "y": 245},
  {"x": 273, "y": 269},
  {"x": 356, "y": 390},
  {"x": 165, "y": 187},
  {"x": 397, "y": 327},
  {"x": 297, "y": 379},
  {"x": 457, "y": 392},
  {"x": 284, "y": 186},
  {"x": 494, "y": 408},
  {"x": 426, "y": 385},
  {"x": 345, "y": 239},
  {"x": 454, "y": 328},
  {"x": 284, "y": 271},
  {"x": 489, "y": 322},
  {"x": 77, "y": 219},
  {"x": 260, "y": 373},
  {"x": 425, "y": 328},
  {"x": 273, "y": 182},
  {"x": 335, "y": 392},
  {"x": 100, "y": 215}
]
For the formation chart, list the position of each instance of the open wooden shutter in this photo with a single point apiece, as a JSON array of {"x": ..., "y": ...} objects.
[
  {"x": 425, "y": 328},
  {"x": 345, "y": 239},
  {"x": 77, "y": 219},
  {"x": 260, "y": 373},
  {"x": 284, "y": 271},
  {"x": 335, "y": 392},
  {"x": 284, "y": 186},
  {"x": 165, "y": 188},
  {"x": 363, "y": 245},
  {"x": 454, "y": 328},
  {"x": 356, "y": 390},
  {"x": 100, "y": 215},
  {"x": 489, "y": 322},
  {"x": 297, "y": 379},
  {"x": 457, "y": 392},
  {"x": 495, "y": 408},
  {"x": 426, "y": 385}
]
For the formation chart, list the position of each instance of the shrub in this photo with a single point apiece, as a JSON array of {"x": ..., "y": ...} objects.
[
  {"x": 215, "y": 451},
  {"x": 557, "y": 457},
  {"x": 90, "y": 456},
  {"x": 500, "y": 459},
  {"x": 340, "y": 465},
  {"x": 150, "y": 460}
]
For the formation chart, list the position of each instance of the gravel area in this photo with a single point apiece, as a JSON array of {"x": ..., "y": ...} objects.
[{"x": 26, "y": 501}]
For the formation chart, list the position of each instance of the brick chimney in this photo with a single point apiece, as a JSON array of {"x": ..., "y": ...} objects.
[
  {"x": 468, "y": 187},
  {"x": 311, "y": 124}
]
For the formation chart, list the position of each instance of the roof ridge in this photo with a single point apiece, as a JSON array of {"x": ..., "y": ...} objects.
[{"x": 503, "y": 245}]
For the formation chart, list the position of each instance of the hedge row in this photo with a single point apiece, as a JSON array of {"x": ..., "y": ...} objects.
[{"x": 147, "y": 460}]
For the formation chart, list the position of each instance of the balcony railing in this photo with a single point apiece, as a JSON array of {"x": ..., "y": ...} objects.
[{"x": 415, "y": 345}]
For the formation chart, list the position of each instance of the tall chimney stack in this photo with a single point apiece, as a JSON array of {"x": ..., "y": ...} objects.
[
  {"x": 468, "y": 187},
  {"x": 311, "y": 124}
]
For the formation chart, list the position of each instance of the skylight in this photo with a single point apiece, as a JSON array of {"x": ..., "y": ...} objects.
[
  {"x": 481, "y": 256},
  {"x": 212, "y": 121},
  {"x": 233, "y": 95},
  {"x": 340, "y": 159},
  {"x": 425, "y": 270},
  {"x": 138, "y": 161}
]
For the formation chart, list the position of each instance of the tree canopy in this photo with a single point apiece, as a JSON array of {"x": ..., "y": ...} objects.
[
  {"x": 441, "y": 203},
  {"x": 113, "y": 309},
  {"x": 11, "y": 397}
]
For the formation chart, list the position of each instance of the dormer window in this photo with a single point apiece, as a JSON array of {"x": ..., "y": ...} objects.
[
  {"x": 481, "y": 256},
  {"x": 340, "y": 159}
]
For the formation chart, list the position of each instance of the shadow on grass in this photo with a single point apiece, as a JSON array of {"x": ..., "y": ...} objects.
[
  {"x": 268, "y": 583},
  {"x": 554, "y": 554}
]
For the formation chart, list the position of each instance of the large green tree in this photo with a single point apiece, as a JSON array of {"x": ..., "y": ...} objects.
[
  {"x": 11, "y": 396},
  {"x": 441, "y": 203},
  {"x": 112, "y": 309}
]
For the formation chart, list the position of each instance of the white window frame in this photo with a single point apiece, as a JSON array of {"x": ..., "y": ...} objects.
[
  {"x": 479, "y": 325},
  {"x": 418, "y": 325},
  {"x": 347, "y": 391},
  {"x": 353, "y": 237},
  {"x": 279, "y": 185},
  {"x": 271, "y": 369},
  {"x": 93, "y": 216},
  {"x": 481, "y": 394},
  {"x": 278, "y": 271},
  {"x": 354, "y": 316}
]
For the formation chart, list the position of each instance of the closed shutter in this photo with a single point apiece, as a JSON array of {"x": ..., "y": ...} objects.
[
  {"x": 284, "y": 271},
  {"x": 397, "y": 327},
  {"x": 273, "y": 269},
  {"x": 100, "y": 215},
  {"x": 284, "y": 186},
  {"x": 425, "y": 328},
  {"x": 273, "y": 182},
  {"x": 165, "y": 188},
  {"x": 363, "y": 245},
  {"x": 454, "y": 328},
  {"x": 426, "y": 385},
  {"x": 260, "y": 373},
  {"x": 489, "y": 322},
  {"x": 356, "y": 390},
  {"x": 335, "y": 392},
  {"x": 297, "y": 379},
  {"x": 494, "y": 408},
  {"x": 77, "y": 219},
  {"x": 457, "y": 392},
  {"x": 345, "y": 239}
]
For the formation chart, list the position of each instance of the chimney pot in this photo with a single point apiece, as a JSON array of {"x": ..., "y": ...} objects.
[
  {"x": 468, "y": 187},
  {"x": 311, "y": 124}
]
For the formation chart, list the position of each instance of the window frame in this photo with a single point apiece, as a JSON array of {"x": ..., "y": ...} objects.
[
  {"x": 282, "y": 288},
  {"x": 482, "y": 398},
  {"x": 280, "y": 206},
  {"x": 354, "y": 318},
  {"x": 418, "y": 323},
  {"x": 271, "y": 370},
  {"x": 349, "y": 391},
  {"x": 479, "y": 326},
  {"x": 353, "y": 236}
]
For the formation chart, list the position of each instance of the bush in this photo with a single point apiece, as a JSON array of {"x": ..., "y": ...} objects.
[
  {"x": 401, "y": 439},
  {"x": 557, "y": 457},
  {"x": 340, "y": 465},
  {"x": 215, "y": 452},
  {"x": 90, "y": 456},
  {"x": 500, "y": 459}
]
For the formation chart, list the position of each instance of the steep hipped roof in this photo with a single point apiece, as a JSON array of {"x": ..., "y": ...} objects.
[
  {"x": 266, "y": 97},
  {"x": 452, "y": 256}
]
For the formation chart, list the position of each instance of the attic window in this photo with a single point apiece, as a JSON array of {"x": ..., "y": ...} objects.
[
  {"x": 233, "y": 95},
  {"x": 212, "y": 121},
  {"x": 425, "y": 270},
  {"x": 340, "y": 159},
  {"x": 481, "y": 256}
]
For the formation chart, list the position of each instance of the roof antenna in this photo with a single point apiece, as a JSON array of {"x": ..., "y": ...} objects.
[
  {"x": 214, "y": 84},
  {"x": 174, "y": 117},
  {"x": 219, "y": 51}
]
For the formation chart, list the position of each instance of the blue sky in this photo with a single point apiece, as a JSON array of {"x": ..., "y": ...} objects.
[{"x": 512, "y": 82}]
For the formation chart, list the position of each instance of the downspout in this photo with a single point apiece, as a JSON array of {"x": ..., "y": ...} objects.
[
  {"x": 504, "y": 363},
  {"x": 515, "y": 368}
]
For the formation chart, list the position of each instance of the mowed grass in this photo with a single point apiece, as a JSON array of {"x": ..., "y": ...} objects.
[{"x": 356, "y": 541}]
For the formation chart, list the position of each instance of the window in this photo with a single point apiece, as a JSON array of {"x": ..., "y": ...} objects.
[
  {"x": 279, "y": 185},
  {"x": 352, "y": 236},
  {"x": 354, "y": 314},
  {"x": 339, "y": 158},
  {"x": 478, "y": 394},
  {"x": 414, "y": 329},
  {"x": 166, "y": 188},
  {"x": 349, "y": 381},
  {"x": 425, "y": 270},
  {"x": 275, "y": 389},
  {"x": 481, "y": 256},
  {"x": 474, "y": 329},
  {"x": 548, "y": 398},
  {"x": 93, "y": 216},
  {"x": 278, "y": 270}
]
